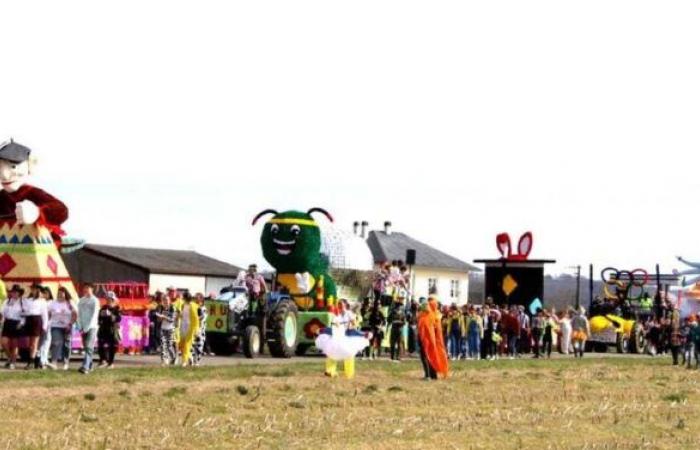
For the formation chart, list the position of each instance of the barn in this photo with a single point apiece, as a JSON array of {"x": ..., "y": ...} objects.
[{"x": 156, "y": 268}]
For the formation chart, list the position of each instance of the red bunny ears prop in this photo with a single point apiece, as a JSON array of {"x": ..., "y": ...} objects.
[{"x": 524, "y": 246}]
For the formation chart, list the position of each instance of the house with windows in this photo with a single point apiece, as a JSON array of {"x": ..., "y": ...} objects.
[{"x": 433, "y": 270}]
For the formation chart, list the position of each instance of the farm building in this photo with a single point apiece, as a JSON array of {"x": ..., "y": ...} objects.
[
  {"x": 156, "y": 268},
  {"x": 433, "y": 271}
]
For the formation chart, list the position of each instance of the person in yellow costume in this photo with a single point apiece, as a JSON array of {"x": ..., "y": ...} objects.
[
  {"x": 189, "y": 325},
  {"x": 341, "y": 342}
]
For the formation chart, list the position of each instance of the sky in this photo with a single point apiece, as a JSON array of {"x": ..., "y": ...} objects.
[{"x": 171, "y": 124}]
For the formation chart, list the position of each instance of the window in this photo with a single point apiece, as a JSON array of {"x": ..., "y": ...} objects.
[
  {"x": 432, "y": 286},
  {"x": 454, "y": 289}
]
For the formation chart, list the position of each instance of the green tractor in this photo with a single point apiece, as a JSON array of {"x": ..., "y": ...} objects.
[
  {"x": 291, "y": 243},
  {"x": 234, "y": 321}
]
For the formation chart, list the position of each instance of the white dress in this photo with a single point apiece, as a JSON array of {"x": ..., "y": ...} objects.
[
  {"x": 338, "y": 342},
  {"x": 565, "y": 326}
]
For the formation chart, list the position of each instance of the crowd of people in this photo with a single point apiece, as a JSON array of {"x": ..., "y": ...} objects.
[
  {"x": 489, "y": 332},
  {"x": 42, "y": 327}
]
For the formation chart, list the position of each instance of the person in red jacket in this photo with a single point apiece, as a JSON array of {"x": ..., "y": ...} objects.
[{"x": 21, "y": 202}]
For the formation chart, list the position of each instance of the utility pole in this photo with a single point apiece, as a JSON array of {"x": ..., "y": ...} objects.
[{"x": 578, "y": 286}]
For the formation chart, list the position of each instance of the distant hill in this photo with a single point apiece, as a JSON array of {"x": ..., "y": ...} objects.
[{"x": 559, "y": 292}]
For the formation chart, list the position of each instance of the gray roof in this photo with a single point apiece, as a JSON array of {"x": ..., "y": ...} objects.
[
  {"x": 175, "y": 262},
  {"x": 390, "y": 247}
]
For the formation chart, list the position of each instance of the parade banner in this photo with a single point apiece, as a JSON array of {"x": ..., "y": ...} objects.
[{"x": 134, "y": 334}]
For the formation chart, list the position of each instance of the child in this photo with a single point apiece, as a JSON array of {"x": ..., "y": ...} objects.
[
  {"x": 694, "y": 336},
  {"x": 168, "y": 317}
]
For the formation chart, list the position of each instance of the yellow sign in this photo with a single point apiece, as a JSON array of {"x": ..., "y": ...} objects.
[
  {"x": 509, "y": 284},
  {"x": 217, "y": 320}
]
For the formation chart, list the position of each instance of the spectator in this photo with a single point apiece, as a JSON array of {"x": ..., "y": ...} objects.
[
  {"x": 675, "y": 337},
  {"x": 694, "y": 336},
  {"x": 168, "y": 319},
  {"x": 108, "y": 331},
  {"x": 475, "y": 331},
  {"x": 464, "y": 346},
  {"x": 524, "y": 338},
  {"x": 200, "y": 339},
  {"x": 580, "y": 330},
  {"x": 397, "y": 318},
  {"x": 511, "y": 330},
  {"x": 88, "y": 313},
  {"x": 12, "y": 325},
  {"x": 538, "y": 327},
  {"x": 45, "y": 297},
  {"x": 34, "y": 310},
  {"x": 155, "y": 307},
  {"x": 377, "y": 323},
  {"x": 413, "y": 327},
  {"x": 456, "y": 329},
  {"x": 62, "y": 316},
  {"x": 487, "y": 352},
  {"x": 565, "y": 327},
  {"x": 687, "y": 342},
  {"x": 548, "y": 335}
]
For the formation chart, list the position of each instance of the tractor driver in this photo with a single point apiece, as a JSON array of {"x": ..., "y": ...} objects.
[{"x": 255, "y": 283}]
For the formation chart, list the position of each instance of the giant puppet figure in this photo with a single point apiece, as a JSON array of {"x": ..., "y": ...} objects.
[
  {"x": 30, "y": 225},
  {"x": 291, "y": 243}
]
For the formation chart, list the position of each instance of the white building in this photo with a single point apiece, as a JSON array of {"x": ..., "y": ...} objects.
[
  {"x": 158, "y": 268},
  {"x": 434, "y": 271}
]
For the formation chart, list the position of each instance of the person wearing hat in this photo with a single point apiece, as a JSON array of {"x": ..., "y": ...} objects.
[
  {"x": 22, "y": 202},
  {"x": 12, "y": 325},
  {"x": 256, "y": 285},
  {"x": 397, "y": 319},
  {"x": 108, "y": 331}
]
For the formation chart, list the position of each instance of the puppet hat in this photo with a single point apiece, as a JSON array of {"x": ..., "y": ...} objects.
[{"x": 14, "y": 152}]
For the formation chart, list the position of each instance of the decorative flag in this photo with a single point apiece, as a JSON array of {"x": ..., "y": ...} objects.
[{"x": 535, "y": 305}]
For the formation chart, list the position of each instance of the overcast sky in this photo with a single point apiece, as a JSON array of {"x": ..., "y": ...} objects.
[{"x": 165, "y": 124}]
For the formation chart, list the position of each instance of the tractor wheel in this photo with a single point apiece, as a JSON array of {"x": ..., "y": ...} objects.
[
  {"x": 251, "y": 341},
  {"x": 302, "y": 349},
  {"x": 622, "y": 344},
  {"x": 637, "y": 339},
  {"x": 282, "y": 329}
]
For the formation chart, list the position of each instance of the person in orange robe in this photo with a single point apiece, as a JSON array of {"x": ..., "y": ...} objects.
[{"x": 432, "y": 343}]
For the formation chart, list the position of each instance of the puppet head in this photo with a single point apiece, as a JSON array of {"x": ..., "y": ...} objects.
[
  {"x": 291, "y": 241},
  {"x": 15, "y": 165}
]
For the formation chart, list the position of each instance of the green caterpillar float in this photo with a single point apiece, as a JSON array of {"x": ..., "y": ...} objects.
[{"x": 291, "y": 243}]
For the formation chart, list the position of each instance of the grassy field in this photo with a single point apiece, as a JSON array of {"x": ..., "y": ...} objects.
[{"x": 590, "y": 404}]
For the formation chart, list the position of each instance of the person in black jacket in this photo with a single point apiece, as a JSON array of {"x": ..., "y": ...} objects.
[
  {"x": 397, "y": 318},
  {"x": 377, "y": 321},
  {"x": 108, "y": 334}
]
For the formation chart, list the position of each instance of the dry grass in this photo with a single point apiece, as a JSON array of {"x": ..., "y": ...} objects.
[{"x": 590, "y": 404}]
